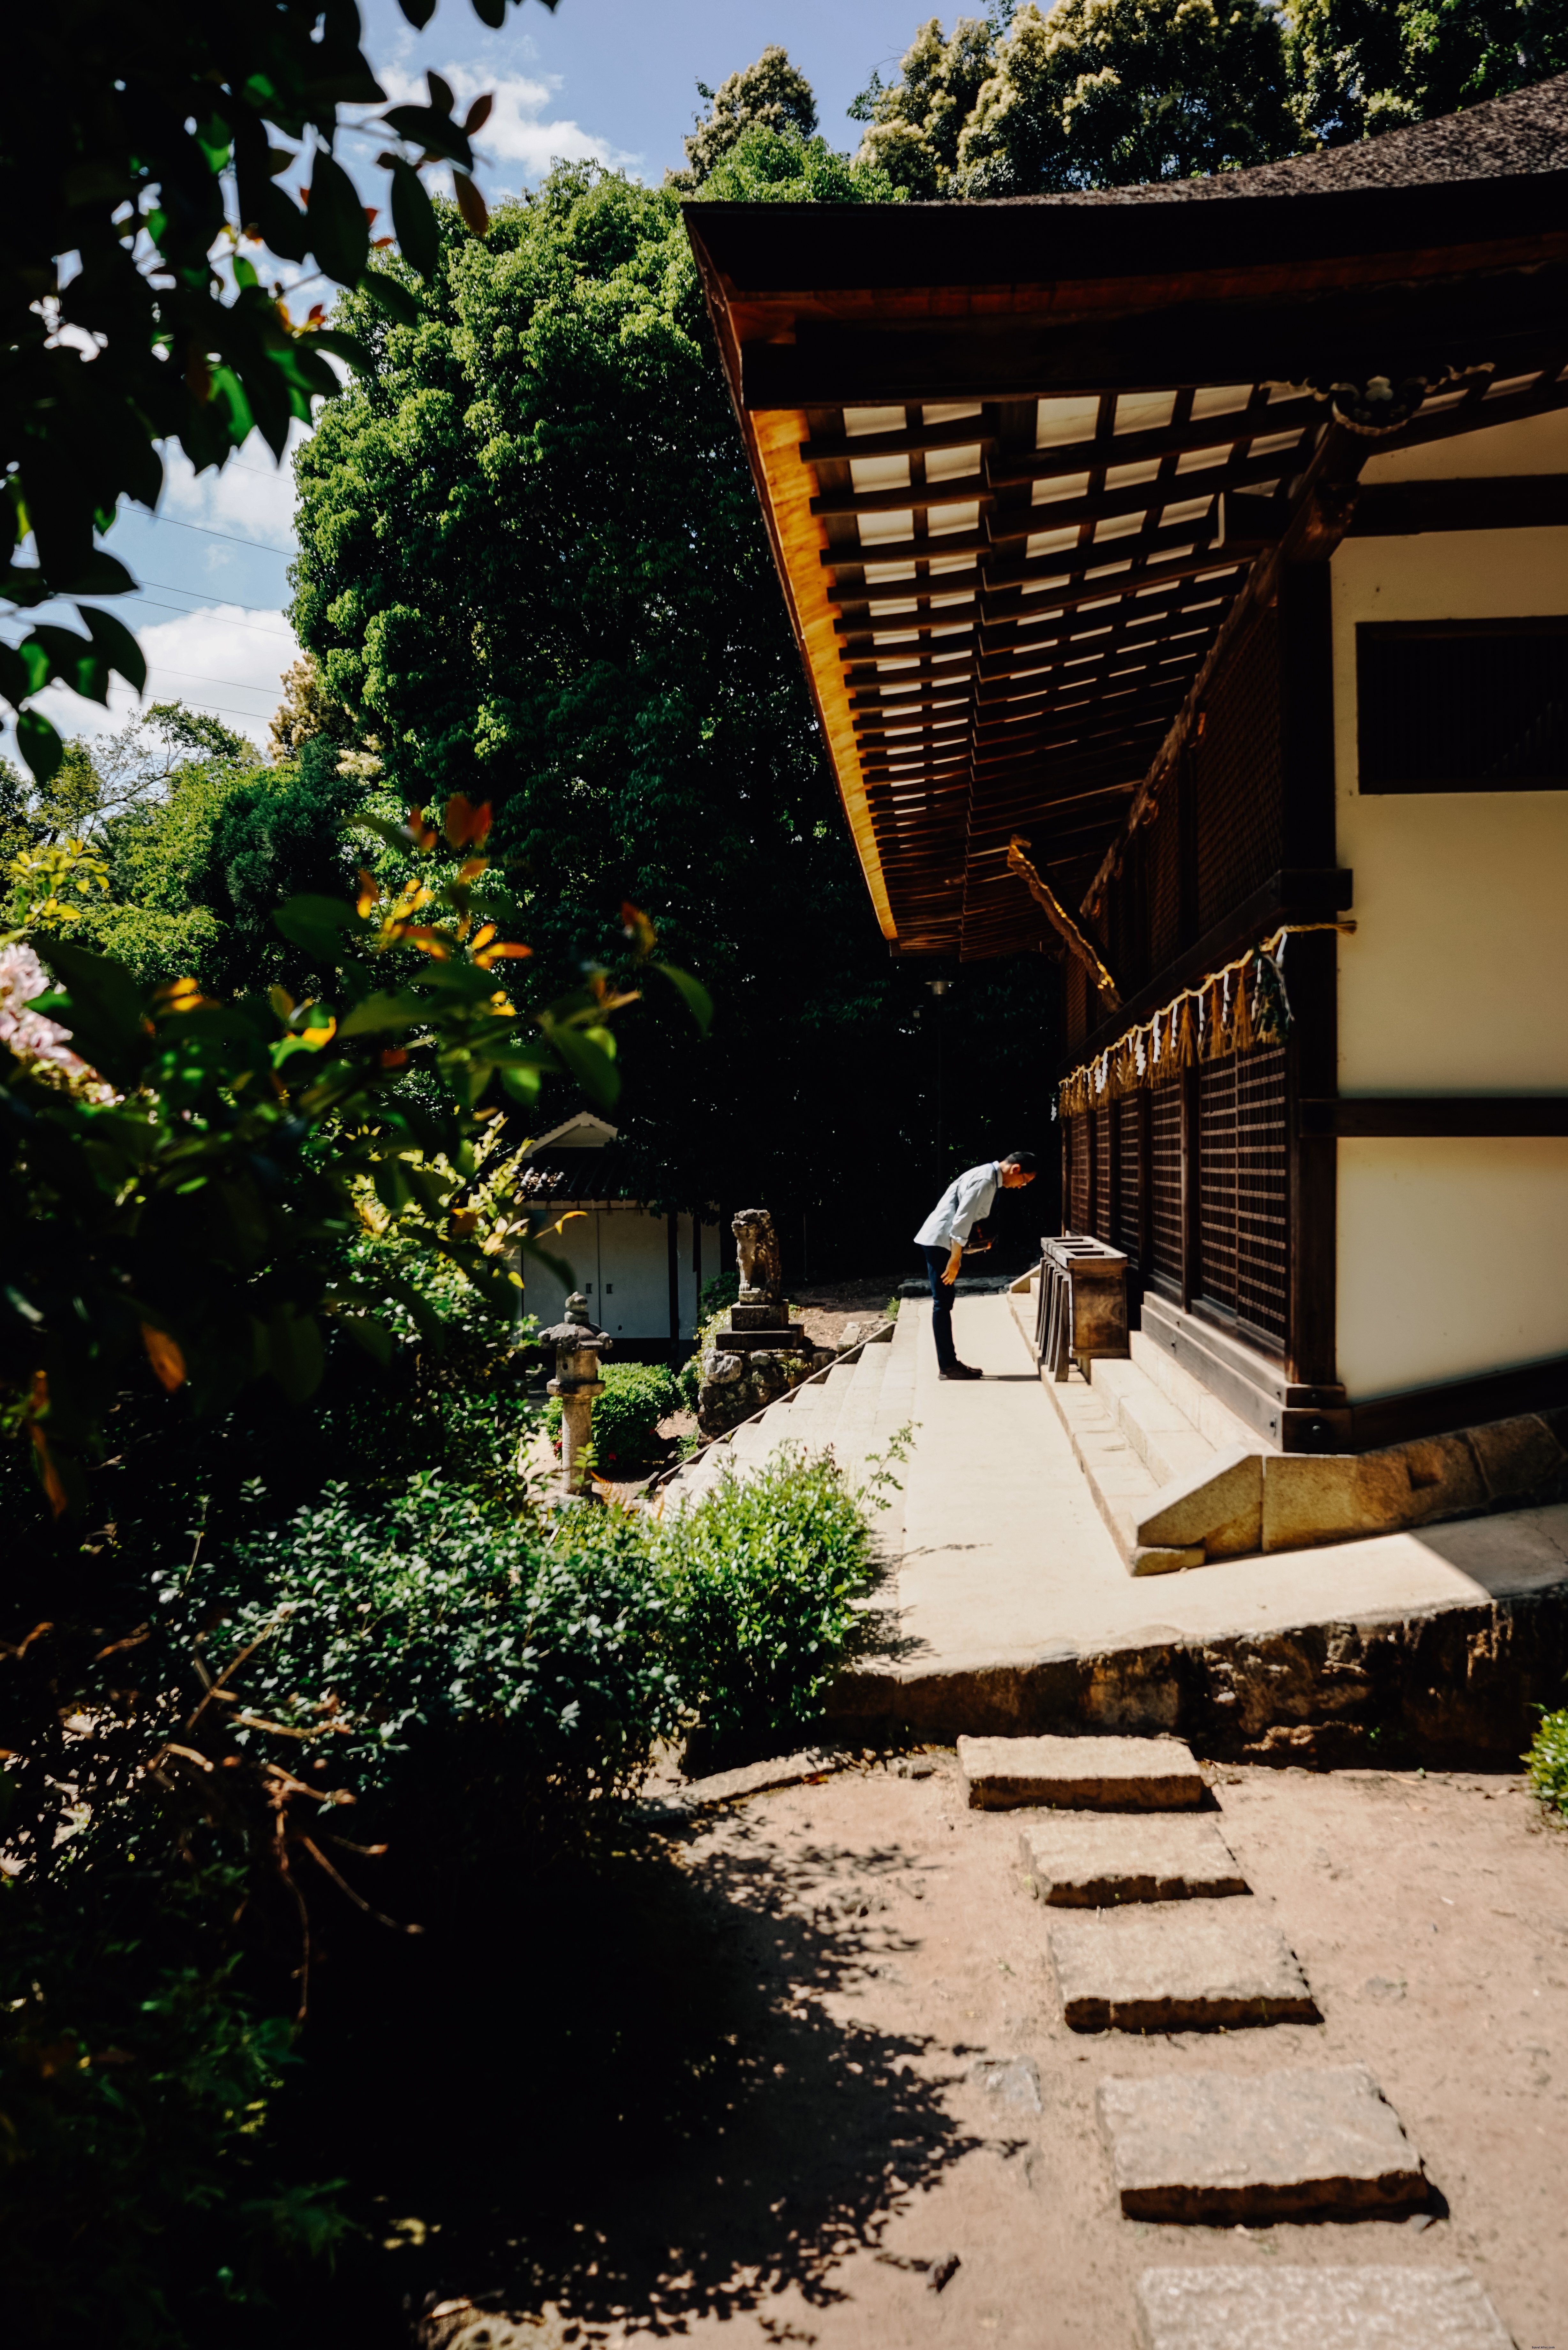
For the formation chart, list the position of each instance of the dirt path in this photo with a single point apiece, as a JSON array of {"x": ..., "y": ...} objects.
[{"x": 884, "y": 1952}]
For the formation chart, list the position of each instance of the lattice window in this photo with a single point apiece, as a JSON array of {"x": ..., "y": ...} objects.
[
  {"x": 1164, "y": 1183},
  {"x": 1240, "y": 803},
  {"x": 1241, "y": 1189},
  {"x": 1262, "y": 1221},
  {"x": 1217, "y": 1182},
  {"x": 1104, "y": 1165},
  {"x": 1129, "y": 1146},
  {"x": 1078, "y": 1202}
]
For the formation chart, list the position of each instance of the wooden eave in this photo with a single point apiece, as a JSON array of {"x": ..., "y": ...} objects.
[{"x": 1005, "y": 611}]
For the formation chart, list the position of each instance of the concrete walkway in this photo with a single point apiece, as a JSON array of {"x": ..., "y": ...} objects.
[{"x": 1004, "y": 1565}]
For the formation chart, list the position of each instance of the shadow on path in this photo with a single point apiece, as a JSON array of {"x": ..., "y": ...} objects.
[{"x": 619, "y": 2092}]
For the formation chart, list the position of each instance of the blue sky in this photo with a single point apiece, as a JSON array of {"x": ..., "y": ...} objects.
[{"x": 613, "y": 79}]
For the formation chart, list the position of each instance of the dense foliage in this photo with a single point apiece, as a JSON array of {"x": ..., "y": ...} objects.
[
  {"x": 532, "y": 563},
  {"x": 139, "y": 154},
  {"x": 1547, "y": 1762},
  {"x": 637, "y": 1397},
  {"x": 1102, "y": 93},
  {"x": 766, "y": 1571}
]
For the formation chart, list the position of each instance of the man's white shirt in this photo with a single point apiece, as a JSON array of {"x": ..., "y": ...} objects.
[{"x": 960, "y": 1207}]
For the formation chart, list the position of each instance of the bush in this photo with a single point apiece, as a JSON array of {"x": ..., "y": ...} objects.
[
  {"x": 636, "y": 1397},
  {"x": 440, "y": 1653},
  {"x": 1547, "y": 1762},
  {"x": 764, "y": 1574}
]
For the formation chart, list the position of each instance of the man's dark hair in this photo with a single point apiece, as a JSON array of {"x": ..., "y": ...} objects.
[{"x": 1024, "y": 1158}]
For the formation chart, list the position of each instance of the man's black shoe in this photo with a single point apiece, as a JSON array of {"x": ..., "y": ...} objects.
[{"x": 962, "y": 1371}]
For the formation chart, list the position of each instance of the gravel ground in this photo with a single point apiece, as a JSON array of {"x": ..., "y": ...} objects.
[{"x": 878, "y": 1965}]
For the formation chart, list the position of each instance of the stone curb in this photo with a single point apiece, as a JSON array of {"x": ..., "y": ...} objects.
[
  {"x": 1447, "y": 1685},
  {"x": 749, "y": 1779}
]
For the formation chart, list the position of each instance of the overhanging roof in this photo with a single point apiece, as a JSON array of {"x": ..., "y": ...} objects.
[{"x": 1019, "y": 460}]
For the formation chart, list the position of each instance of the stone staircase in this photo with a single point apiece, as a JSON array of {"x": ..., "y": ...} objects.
[
  {"x": 1153, "y": 1929},
  {"x": 853, "y": 1409},
  {"x": 1181, "y": 1480}
]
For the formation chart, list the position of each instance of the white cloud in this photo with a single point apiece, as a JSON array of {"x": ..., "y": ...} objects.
[
  {"x": 221, "y": 658},
  {"x": 252, "y": 497},
  {"x": 519, "y": 131}
]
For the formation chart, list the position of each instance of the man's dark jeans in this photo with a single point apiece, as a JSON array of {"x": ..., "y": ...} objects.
[{"x": 941, "y": 1306}]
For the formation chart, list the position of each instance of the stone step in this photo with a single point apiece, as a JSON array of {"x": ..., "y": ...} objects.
[
  {"x": 1085, "y": 1773},
  {"x": 1178, "y": 1966},
  {"x": 1370, "y": 2308},
  {"x": 1201, "y": 2148},
  {"x": 1077, "y": 1860},
  {"x": 853, "y": 1437},
  {"x": 1181, "y": 1480}
]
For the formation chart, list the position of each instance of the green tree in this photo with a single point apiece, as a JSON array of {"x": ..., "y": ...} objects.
[
  {"x": 1106, "y": 93},
  {"x": 915, "y": 123},
  {"x": 1358, "y": 67},
  {"x": 771, "y": 91},
  {"x": 531, "y": 562},
  {"x": 140, "y": 150}
]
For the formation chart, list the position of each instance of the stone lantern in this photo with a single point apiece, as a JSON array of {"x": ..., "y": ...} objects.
[{"x": 578, "y": 1346}]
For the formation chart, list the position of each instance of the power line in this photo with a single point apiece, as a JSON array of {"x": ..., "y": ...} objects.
[
  {"x": 175, "y": 590},
  {"x": 196, "y": 612},
  {"x": 174, "y": 523}
]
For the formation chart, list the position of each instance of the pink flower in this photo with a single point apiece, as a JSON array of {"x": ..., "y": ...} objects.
[{"x": 29, "y": 1034}]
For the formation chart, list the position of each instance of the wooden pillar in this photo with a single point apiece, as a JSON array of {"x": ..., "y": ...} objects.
[
  {"x": 1066, "y": 1216},
  {"x": 673, "y": 1221},
  {"x": 1144, "y": 1181},
  {"x": 1312, "y": 967}
]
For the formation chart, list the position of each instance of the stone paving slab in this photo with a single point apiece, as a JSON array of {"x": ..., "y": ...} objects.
[
  {"x": 1087, "y": 1774},
  {"x": 1086, "y": 1861},
  {"x": 1212, "y": 2147},
  {"x": 1178, "y": 1965},
  {"x": 1372, "y": 2308}
]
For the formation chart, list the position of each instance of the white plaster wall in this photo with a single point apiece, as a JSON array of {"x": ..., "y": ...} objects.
[
  {"x": 1456, "y": 980},
  {"x": 1453, "y": 1254},
  {"x": 1537, "y": 444},
  {"x": 618, "y": 1254},
  {"x": 1453, "y": 1258}
]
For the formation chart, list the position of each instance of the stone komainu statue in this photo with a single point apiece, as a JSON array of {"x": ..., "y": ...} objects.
[{"x": 756, "y": 1243}]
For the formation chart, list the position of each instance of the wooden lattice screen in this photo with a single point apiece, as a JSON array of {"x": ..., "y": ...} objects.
[
  {"x": 1241, "y": 1189},
  {"x": 1129, "y": 1145},
  {"x": 1165, "y": 1185},
  {"x": 1103, "y": 1164},
  {"x": 1078, "y": 1201}
]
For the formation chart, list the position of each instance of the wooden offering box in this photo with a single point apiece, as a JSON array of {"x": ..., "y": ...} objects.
[{"x": 1083, "y": 1303}]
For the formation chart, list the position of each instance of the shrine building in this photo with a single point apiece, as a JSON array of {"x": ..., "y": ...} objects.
[{"x": 1181, "y": 576}]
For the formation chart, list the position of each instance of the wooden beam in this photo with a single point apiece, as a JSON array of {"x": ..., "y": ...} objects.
[
  {"x": 899, "y": 550},
  {"x": 913, "y": 441},
  {"x": 1493, "y": 502},
  {"x": 1501, "y": 1117},
  {"x": 1137, "y": 497},
  {"x": 1250, "y": 423},
  {"x": 967, "y": 489}
]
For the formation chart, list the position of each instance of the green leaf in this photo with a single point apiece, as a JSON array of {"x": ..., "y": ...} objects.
[
  {"x": 16, "y": 681},
  {"x": 339, "y": 233},
  {"x": 294, "y": 1357},
  {"x": 105, "y": 1016},
  {"x": 75, "y": 660},
  {"x": 384, "y": 1014},
  {"x": 421, "y": 126},
  {"x": 491, "y": 13},
  {"x": 39, "y": 746},
  {"x": 354, "y": 352},
  {"x": 693, "y": 992},
  {"x": 317, "y": 924},
  {"x": 101, "y": 574},
  {"x": 418, "y": 12},
  {"x": 392, "y": 296},
  {"x": 522, "y": 1083},
  {"x": 116, "y": 644},
  {"x": 592, "y": 1069},
  {"x": 414, "y": 219}
]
